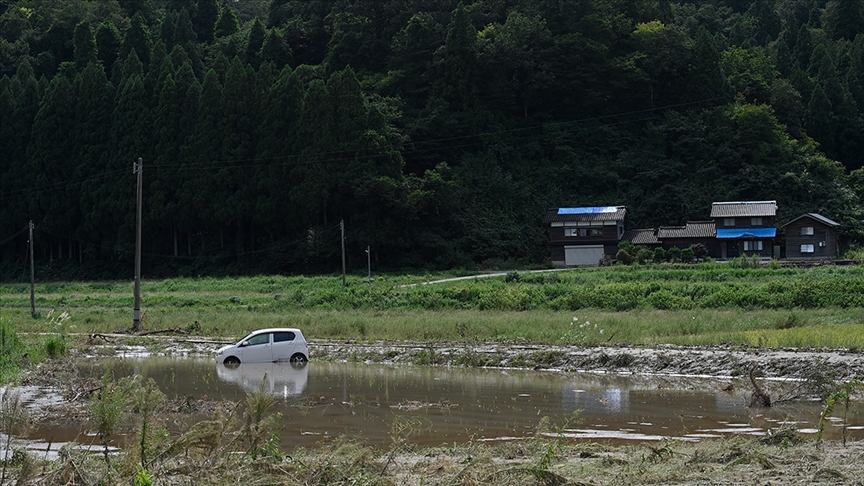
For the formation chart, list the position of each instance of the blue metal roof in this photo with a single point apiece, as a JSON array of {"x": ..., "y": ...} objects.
[
  {"x": 593, "y": 210},
  {"x": 747, "y": 233}
]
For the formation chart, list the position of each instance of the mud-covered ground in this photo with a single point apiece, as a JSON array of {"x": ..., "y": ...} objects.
[
  {"x": 787, "y": 363},
  {"x": 59, "y": 394}
]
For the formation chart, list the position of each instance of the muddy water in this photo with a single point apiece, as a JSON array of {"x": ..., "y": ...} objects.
[{"x": 434, "y": 406}]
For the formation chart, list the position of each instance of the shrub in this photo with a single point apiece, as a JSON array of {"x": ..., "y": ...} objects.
[
  {"x": 659, "y": 255},
  {"x": 687, "y": 255},
  {"x": 624, "y": 257},
  {"x": 643, "y": 256},
  {"x": 55, "y": 346}
]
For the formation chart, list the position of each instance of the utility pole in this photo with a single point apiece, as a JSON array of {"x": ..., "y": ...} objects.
[
  {"x": 342, "y": 228},
  {"x": 136, "y": 312},
  {"x": 32, "y": 276},
  {"x": 369, "y": 263}
]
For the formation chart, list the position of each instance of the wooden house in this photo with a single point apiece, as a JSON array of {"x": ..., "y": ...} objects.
[
  {"x": 644, "y": 237},
  {"x": 692, "y": 233},
  {"x": 744, "y": 228},
  {"x": 812, "y": 236},
  {"x": 583, "y": 236}
]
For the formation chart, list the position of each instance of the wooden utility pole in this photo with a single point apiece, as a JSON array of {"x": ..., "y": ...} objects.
[
  {"x": 32, "y": 276},
  {"x": 342, "y": 228},
  {"x": 136, "y": 312}
]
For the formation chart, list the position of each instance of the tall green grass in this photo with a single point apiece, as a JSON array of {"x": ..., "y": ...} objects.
[{"x": 705, "y": 304}]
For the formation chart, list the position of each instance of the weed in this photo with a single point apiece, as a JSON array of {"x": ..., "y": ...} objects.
[
  {"x": 106, "y": 410},
  {"x": 513, "y": 276},
  {"x": 471, "y": 359},
  {"x": 257, "y": 424},
  {"x": 547, "y": 358},
  {"x": 783, "y": 437},
  {"x": 55, "y": 346},
  {"x": 844, "y": 396},
  {"x": 789, "y": 321},
  {"x": 13, "y": 421},
  {"x": 143, "y": 478},
  {"x": 426, "y": 357}
]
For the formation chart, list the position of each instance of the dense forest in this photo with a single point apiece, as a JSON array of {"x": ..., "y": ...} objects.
[{"x": 439, "y": 131}]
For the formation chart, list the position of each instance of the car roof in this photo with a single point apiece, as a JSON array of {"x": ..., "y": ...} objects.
[{"x": 276, "y": 329}]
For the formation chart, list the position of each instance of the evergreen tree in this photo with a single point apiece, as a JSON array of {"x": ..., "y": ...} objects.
[
  {"x": 167, "y": 28},
  {"x": 843, "y": 19},
  {"x": 85, "y": 45},
  {"x": 255, "y": 42},
  {"x": 206, "y": 15},
  {"x": 457, "y": 84},
  {"x": 108, "y": 41},
  {"x": 804, "y": 47},
  {"x": 184, "y": 33},
  {"x": 310, "y": 178},
  {"x": 137, "y": 39},
  {"x": 227, "y": 23},
  {"x": 275, "y": 50},
  {"x": 706, "y": 78}
]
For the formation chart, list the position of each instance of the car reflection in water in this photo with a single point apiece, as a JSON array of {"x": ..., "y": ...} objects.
[{"x": 281, "y": 379}]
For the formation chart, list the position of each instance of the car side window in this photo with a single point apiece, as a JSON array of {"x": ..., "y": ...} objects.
[
  {"x": 259, "y": 339},
  {"x": 279, "y": 337}
]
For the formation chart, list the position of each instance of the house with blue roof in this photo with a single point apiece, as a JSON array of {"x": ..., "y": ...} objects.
[
  {"x": 745, "y": 228},
  {"x": 586, "y": 235}
]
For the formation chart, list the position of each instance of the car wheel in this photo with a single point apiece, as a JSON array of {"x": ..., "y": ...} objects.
[
  {"x": 231, "y": 361},
  {"x": 299, "y": 358}
]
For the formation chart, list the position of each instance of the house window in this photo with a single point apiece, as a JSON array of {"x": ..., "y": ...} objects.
[
  {"x": 728, "y": 221},
  {"x": 571, "y": 232},
  {"x": 807, "y": 248},
  {"x": 753, "y": 245},
  {"x": 755, "y": 221},
  {"x": 807, "y": 230}
]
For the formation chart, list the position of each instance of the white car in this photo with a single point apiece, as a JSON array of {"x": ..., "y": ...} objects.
[{"x": 266, "y": 346}]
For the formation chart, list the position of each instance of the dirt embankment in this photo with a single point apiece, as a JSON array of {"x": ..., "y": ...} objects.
[
  {"x": 786, "y": 363},
  {"x": 664, "y": 359}
]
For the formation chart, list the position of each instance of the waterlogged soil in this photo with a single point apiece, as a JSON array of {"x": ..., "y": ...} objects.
[{"x": 57, "y": 393}]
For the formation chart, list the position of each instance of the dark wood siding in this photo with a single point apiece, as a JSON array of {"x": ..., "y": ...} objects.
[
  {"x": 746, "y": 222},
  {"x": 822, "y": 233},
  {"x": 605, "y": 233}
]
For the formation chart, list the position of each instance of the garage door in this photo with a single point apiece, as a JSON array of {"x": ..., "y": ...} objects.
[{"x": 583, "y": 255}]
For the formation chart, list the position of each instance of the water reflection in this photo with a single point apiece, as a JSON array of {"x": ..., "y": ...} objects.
[
  {"x": 446, "y": 405},
  {"x": 281, "y": 379}
]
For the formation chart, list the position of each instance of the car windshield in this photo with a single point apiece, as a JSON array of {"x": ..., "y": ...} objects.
[{"x": 246, "y": 337}]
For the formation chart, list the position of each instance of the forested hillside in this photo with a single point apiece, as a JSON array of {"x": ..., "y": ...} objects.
[{"x": 438, "y": 131}]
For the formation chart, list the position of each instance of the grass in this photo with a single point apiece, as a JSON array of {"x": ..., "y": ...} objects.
[{"x": 694, "y": 305}]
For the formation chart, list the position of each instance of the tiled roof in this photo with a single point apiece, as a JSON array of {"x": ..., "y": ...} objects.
[
  {"x": 646, "y": 236},
  {"x": 743, "y": 208},
  {"x": 817, "y": 217},
  {"x": 603, "y": 213},
  {"x": 693, "y": 229}
]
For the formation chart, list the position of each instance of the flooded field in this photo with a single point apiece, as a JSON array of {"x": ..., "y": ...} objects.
[{"x": 438, "y": 405}]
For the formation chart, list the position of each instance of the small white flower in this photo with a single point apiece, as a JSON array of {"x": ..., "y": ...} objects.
[
  {"x": 601, "y": 331},
  {"x": 575, "y": 318}
]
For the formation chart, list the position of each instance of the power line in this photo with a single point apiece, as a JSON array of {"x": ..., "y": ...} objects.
[{"x": 7, "y": 240}]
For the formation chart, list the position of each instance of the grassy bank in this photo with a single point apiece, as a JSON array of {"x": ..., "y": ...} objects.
[{"x": 708, "y": 304}]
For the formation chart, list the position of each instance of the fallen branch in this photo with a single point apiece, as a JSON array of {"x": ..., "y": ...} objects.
[{"x": 175, "y": 330}]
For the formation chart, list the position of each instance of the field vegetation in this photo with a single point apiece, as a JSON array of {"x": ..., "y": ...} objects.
[
  {"x": 712, "y": 303},
  {"x": 704, "y": 304}
]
